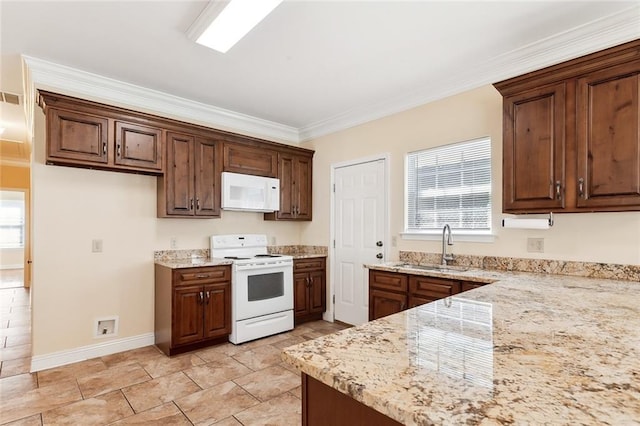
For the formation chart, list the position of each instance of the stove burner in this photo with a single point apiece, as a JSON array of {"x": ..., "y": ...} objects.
[
  {"x": 236, "y": 257},
  {"x": 268, "y": 255}
]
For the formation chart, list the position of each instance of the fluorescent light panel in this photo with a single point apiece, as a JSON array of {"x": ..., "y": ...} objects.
[{"x": 234, "y": 22}]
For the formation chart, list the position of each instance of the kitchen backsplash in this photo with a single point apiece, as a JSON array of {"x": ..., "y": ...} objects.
[
  {"x": 167, "y": 255},
  {"x": 543, "y": 266},
  {"x": 299, "y": 249}
]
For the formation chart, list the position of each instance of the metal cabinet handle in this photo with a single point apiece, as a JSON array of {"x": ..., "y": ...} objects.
[
  {"x": 581, "y": 187},
  {"x": 310, "y": 281},
  {"x": 208, "y": 296},
  {"x": 190, "y": 203},
  {"x": 118, "y": 154},
  {"x": 307, "y": 281},
  {"x": 402, "y": 306},
  {"x": 558, "y": 190},
  {"x": 201, "y": 299},
  {"x": 198, "y": 203},
  {"x": 104, "y": 148}
]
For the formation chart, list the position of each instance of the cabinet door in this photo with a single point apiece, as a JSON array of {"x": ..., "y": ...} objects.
[
  {"x": 608, "y": 142},
  {"x": 138, "y": 146},
  {"x": 301, "y": 188},
  {"x": 207, "y": 177},
  {"x": 77, "y": 136},
  {"x": 286, "y": 176},
  {"x": 534, "y": 150},
  {"x": 249, "y": 159},
  {"x": 179, "y": 174},
  {"x": 217, "y": 310},
  {"x": 418, "y": 300},
  {"x": 317, "y": 292},
  {"x": 383, "y": 303},
  {"x": 187, "y": 324},
  {"x": 301, "y": 293}
]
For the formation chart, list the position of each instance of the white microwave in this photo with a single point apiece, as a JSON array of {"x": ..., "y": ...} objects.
[{"x": 250, "y": 193}]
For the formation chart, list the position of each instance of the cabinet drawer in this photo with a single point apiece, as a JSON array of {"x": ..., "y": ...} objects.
[
  {"x": 433, "y": 288},
  {"x": 470, "y": 285},
  {"x": 302, "y": 265},
  {"x": 208, "y": 274},
  {"x": 388, "y": 280}
]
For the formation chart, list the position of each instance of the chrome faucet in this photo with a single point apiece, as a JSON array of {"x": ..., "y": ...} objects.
[{"x": 446, "y": 241}]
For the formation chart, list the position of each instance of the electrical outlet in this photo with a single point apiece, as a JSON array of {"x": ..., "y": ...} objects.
[
  {"x": 535, "y": 245},
  {"x": 272, "y": 241},
  {"x": 96, "y": 246},
  {"x": 173, "y": 243},
  {"x": 394, "y": 241}
]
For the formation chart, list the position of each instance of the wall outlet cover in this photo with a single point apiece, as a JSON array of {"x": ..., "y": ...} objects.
[{"x": 535, "y": 245}]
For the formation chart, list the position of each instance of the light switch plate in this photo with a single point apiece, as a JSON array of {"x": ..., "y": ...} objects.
[{"x": 96, "y": 246}]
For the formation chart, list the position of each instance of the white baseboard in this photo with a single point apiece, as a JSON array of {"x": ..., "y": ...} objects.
[
  {"x": 56, "y": 359},
  {"x": 16, "y": 266}
]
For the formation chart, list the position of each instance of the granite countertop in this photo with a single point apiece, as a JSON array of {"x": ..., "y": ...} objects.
[
  {"x": 453, "y": 272},
  {"x": 192, "y": 263},
  {"x": 307, "y": 255},
  {"x": 527, "y": 349}
]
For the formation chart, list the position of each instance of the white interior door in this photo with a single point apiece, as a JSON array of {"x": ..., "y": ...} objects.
[{"x": 359, "y": 223}]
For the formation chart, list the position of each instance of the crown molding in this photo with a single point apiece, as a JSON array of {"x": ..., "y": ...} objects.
[
  {"x": 39, "y": 73},
  {"x": 599, "y": 34}
]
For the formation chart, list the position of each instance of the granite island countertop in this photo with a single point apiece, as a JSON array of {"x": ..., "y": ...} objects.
[{"x": 527, "y": 349}]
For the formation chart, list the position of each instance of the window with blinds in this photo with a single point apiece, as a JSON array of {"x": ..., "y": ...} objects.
[
  {"x": 11, "y": 224},
  {"x": 449, "y": 184}
]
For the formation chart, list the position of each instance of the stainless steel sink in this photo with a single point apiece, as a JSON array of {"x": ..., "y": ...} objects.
[{"x": 435, "y": 268}]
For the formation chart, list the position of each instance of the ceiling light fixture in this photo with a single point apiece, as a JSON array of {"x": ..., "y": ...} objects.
[{"x": 223, "y": 23}]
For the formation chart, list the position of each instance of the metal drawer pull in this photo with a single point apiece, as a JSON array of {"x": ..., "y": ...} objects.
[{"x": 202, "y": 276}]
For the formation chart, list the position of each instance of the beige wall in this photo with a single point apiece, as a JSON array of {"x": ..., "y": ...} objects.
[
  {"x": 596, "y": 237},
  {"x": 71, "y": 285}
]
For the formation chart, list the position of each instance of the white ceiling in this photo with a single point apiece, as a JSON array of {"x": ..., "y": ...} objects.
[{"x": 312, "y": 66}]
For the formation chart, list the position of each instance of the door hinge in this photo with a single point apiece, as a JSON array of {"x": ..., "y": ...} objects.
[
  {"x": 334, "y": 243},
  {"x": 334, "y": 187},
  {"x": 334, "y": 299}
]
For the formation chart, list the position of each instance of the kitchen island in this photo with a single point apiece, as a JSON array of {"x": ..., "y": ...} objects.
[{"x": 527, "y": 349}]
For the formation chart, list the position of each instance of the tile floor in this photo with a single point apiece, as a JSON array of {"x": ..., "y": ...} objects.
[{"x": 223, "y": 385}]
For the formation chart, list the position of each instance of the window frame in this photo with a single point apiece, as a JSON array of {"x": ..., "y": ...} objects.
[
  {"x": 471, "y": 235},
  {"x": 21, "y": 225}
]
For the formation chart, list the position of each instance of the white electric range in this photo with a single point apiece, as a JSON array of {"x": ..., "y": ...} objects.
[{"x": 261, "y": 286}]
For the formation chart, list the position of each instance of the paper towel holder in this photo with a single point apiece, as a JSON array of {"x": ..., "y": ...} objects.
[{"x": 550, "y": 220}]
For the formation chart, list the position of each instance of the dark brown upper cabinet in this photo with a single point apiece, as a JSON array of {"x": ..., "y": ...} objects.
[
  {"x": 87, "y": 134},
  {"x": 571, "y": 139},
  {"x": 295, "y": 173},
  {"x": 191, "y": 185},
  {"x": 250, "y": 159}
]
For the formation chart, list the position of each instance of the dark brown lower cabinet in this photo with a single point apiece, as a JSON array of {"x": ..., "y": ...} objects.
[
  {"x": 192, "y": 307},
  {"x": 324, "y": 406},
  {"x": 309, "y": 289},
  {"x": 393, "y": 292}
]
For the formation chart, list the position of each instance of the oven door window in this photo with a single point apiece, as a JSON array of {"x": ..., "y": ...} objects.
[{"x": 265, "y": 286}]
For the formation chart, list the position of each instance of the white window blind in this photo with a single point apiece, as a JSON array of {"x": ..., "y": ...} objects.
[
  {"x": 449, "y": 184},
  {"x": 11, "y": 224}
]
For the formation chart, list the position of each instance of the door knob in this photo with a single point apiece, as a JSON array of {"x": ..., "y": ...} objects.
[
  {"x": 379, "y": 243},
  {"x": 379, "y": 256}
]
